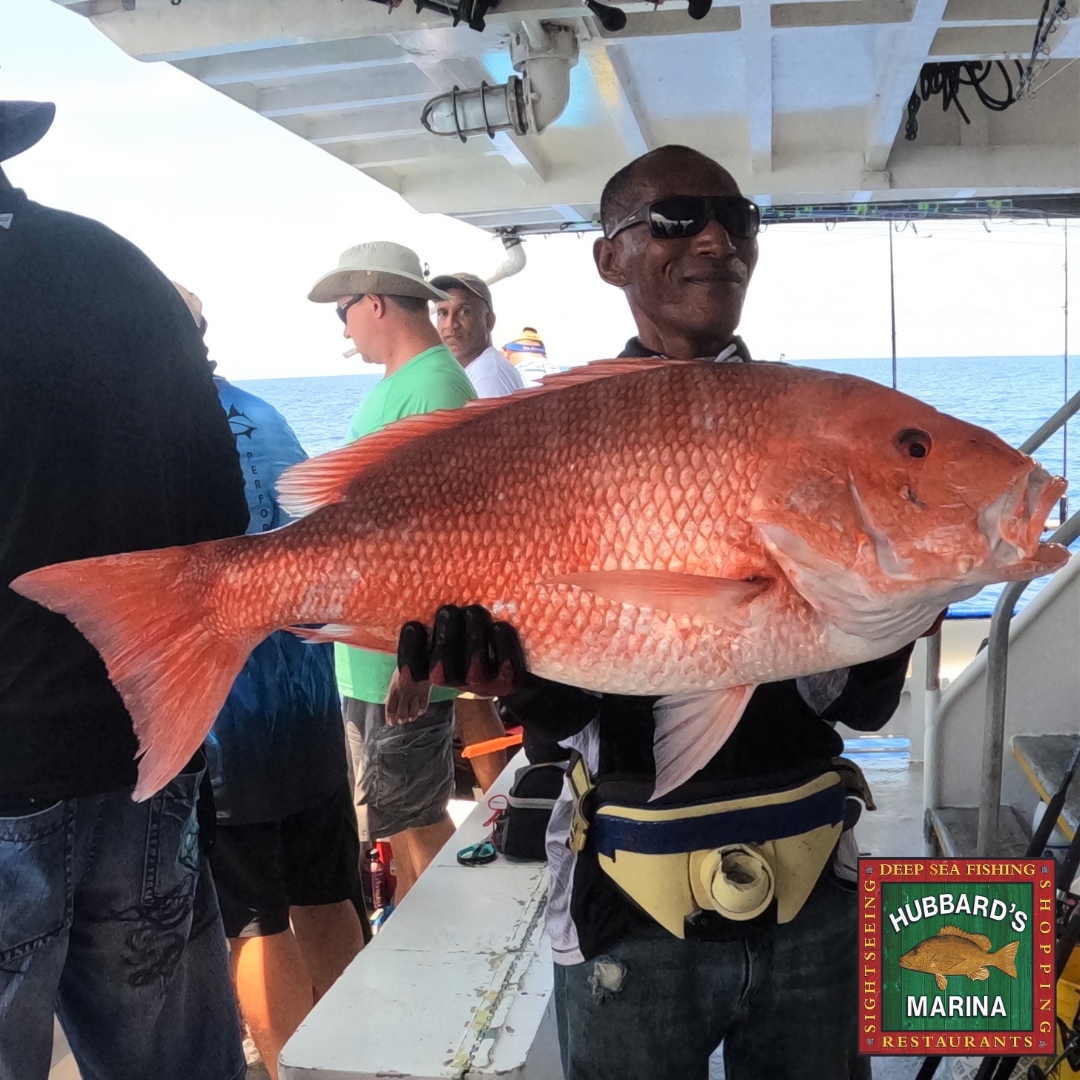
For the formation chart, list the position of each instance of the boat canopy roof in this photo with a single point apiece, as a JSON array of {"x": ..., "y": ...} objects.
[{"x": 806, "y": 103}]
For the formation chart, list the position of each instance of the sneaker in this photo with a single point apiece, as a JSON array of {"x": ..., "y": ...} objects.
[{"x": 251, "y": 1051}]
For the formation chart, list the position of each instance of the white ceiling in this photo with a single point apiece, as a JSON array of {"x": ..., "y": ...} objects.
[{"x": 803, "y": 102}]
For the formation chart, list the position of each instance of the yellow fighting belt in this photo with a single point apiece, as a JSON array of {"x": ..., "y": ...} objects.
[{"x": 733, "y": 856}]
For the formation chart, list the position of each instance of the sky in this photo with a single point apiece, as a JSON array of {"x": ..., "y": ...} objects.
[{"x": 248, "y": 216}]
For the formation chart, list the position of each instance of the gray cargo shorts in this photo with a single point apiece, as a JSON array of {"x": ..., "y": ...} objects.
[{"x": 403, "y": 775}]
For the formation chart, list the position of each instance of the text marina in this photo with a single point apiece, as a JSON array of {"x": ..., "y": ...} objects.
[{"x": 958, "y": 1005}]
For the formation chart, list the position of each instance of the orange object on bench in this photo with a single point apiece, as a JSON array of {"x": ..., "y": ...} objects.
[{"x": 513, "y": 737}]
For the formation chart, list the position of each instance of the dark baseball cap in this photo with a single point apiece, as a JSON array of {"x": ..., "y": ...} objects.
[
  {"x": 23, "y": 123},
  {"x": 468, "y": 282}
]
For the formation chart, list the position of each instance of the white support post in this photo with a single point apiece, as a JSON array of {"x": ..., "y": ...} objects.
[{"x": 911, "y": 50}]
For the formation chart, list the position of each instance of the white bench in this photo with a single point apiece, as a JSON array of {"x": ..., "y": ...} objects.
[{"x": 456, "y": 984}]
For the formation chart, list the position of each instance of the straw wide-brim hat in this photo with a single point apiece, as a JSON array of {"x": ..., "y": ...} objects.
[
  {"x": 23, "y": 123},
  {"x": 378, "y": 267}
]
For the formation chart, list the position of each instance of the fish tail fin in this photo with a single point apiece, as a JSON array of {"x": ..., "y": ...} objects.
[
  {"x": 171, "y": 656},
  {"x": 1005, "y": 958}
]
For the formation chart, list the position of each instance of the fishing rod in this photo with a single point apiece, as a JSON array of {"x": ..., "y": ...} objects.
[{"x": 1036, "y": 846}]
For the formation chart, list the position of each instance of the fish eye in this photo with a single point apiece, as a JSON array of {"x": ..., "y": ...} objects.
[{"x": 913, "y": 443}]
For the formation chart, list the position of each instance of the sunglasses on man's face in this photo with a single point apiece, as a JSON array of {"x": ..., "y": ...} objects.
[
  {"x": 343, "y": 309},
  {"x": 680, "y": 216}
]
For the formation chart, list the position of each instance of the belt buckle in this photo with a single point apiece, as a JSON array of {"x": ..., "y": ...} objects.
[{"x": 580, "y": 785}]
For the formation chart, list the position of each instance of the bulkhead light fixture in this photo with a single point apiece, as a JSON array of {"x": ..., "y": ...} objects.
[{"x": 544, "y": 54}]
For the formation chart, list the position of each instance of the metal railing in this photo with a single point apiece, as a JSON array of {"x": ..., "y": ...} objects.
[
  {"x": 997, "y": 677},
  {"x": 997, "y": 657}
]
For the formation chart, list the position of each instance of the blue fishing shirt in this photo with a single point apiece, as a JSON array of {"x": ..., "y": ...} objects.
[{"x": 277, "y": 746}]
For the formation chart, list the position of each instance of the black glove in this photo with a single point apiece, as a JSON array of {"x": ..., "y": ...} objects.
[{"x": 466, "y": 649}]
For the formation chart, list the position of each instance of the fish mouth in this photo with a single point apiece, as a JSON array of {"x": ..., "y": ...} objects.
[{"x": 1013, "y": 526}]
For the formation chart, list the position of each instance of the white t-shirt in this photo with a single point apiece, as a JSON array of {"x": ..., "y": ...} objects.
[{"x": 492, "y": 375}]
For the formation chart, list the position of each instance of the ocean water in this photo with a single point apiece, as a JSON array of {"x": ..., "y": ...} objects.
[
  {"x": 1009, "y": 395},
  {"x": 319, "y": 409}
]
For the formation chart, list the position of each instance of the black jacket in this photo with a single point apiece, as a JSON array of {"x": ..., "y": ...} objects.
[
  {"x": 111, "y": 439},
  {"x": 779, "y": 732}
]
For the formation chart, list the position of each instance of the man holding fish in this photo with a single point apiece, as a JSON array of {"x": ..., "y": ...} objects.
[
  {"x": 648, "y": 985},
  {"x": 678, "y": 548}
]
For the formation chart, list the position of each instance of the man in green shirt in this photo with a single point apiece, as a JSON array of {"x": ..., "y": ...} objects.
[{"x": 404, "y": 774}]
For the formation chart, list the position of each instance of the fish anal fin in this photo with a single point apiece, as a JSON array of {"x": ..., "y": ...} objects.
[
  {"x": 345, "y": 635},
  {"x": 1005, "y": 958},
  {"x": 979, "y": 974},
  {"x": 953, "y": 931},
  {"x": 942, "y": 982},
  {"x": 717, "y": 600},
  {"x": 324, "y": 480},
  {"x": 690, "y": 729}
]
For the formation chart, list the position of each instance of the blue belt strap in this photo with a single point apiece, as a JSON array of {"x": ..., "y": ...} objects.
[{"x": 752, "y": 825}]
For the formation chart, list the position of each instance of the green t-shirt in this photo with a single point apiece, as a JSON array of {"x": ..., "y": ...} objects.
[{"x": 432, "y": 380}]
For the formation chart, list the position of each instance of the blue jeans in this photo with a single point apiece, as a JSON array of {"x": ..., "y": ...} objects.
[
  {"x": 108, "y": 917},
  {"x": 784, "y": 1002}
]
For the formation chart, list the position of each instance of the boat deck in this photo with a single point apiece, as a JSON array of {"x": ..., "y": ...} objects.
[{"x": 895, "y": 828}]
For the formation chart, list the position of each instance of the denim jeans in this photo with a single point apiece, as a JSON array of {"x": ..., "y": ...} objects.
[
  {"x": 784, "y": 1002},
  {"x": 108, "y": 917}
]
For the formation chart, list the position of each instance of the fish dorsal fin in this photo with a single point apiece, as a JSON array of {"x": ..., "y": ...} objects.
[
  {"x": 980, "y": 939},
  {"x": 325, "y": 480},
  {"x": 604, "y": 369}
]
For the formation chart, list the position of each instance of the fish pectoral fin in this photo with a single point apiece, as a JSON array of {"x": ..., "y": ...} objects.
[
  {"x": 690, "y": 729},
  {"x": 979, "y": 974},
  {"x": 946, "y": 964},
  {"x": 715, "y": 599},
  {"x": 345, "y": 635},
  {"x": 942, "y": 982}
]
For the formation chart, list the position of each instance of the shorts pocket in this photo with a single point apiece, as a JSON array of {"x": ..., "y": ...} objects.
[
  {"x": 407, "y": 763},
  {"x": 35, "y": 879},
  {"x": 171, "y": 866}
]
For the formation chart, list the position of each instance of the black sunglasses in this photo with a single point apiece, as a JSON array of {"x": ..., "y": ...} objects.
[
  {"x": 343, "y": 311},
  {"x": 680, "y": 216}
]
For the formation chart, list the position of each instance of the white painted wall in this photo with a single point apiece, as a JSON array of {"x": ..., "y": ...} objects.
[{"x": 1043, "y": 695}]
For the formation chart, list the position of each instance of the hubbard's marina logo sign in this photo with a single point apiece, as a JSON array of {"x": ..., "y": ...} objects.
[{"x": 957, "y": 956}]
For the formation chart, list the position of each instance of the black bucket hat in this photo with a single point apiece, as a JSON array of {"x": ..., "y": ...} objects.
[{"x": 23, "y": 123}]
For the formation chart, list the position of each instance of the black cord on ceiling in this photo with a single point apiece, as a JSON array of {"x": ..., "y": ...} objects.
[{"x": 947, "y": 79}]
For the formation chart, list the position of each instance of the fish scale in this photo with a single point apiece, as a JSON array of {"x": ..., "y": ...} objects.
[
  {"x": 469, "y": 548},
  {"x": 657, "y": 527}
]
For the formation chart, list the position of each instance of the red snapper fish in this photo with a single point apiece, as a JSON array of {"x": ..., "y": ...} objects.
[{"x": 679, "y": 528}]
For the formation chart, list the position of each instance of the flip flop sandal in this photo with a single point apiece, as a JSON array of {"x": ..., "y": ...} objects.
[{"x": 478, "y": 854}]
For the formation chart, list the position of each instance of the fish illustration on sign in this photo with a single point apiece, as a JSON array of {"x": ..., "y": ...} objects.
[{"x": 957, "y": 952}]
